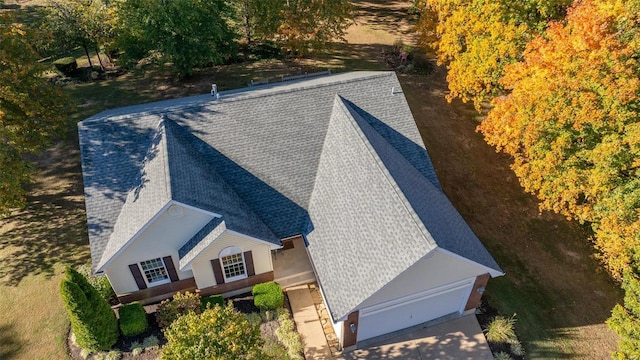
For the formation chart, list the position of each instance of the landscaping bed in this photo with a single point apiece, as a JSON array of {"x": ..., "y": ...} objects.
[{"x": 152, "y": 339}]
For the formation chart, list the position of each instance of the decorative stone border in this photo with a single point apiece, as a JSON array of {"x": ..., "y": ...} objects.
[{"x": 329, "y": 333}]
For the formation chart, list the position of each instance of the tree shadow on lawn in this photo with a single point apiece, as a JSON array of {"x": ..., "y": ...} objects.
[
  {"x": 10, "y": 345},
  {"x": 51, "y": 228}
]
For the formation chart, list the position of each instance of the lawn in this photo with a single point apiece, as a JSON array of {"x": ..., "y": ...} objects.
[{"x": 557, "y": 290}]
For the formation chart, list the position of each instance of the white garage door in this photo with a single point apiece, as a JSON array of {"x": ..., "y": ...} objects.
[{"x": 379, "y": 320}]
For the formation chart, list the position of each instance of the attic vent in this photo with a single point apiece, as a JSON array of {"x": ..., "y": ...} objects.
[
  {"x": 214, "y": 91},
  {"x": 395, "y": 91}
]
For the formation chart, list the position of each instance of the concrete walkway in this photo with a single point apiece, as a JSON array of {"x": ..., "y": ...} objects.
[
  {"x": 308, "y": 323},
  {"x": 456, "y": 339}
]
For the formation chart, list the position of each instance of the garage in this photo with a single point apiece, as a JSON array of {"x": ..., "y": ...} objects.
[{"x": 402, "y": 313}]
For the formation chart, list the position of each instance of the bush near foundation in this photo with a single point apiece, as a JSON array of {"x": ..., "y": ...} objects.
[
  {"x": 268, "y": 296},
  {"x": 93, "y": 322},
  {"x": 133, "y": 319}
]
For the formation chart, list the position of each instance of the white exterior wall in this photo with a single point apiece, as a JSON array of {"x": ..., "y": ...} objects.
[
  {"x": 162, "y": 238},
  {"x": 433, "y": 271},
  {"x": 201, "y": 265}
]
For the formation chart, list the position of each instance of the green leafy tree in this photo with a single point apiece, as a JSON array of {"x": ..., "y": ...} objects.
[
  {"x": 258, "y": 19},
  {"x": 312, "y": 24},
  {"x": 32, "y": 111},
  {"x": 625, "y": 319},
  {"x": 186, "y": 33},
  {"x": 219, "y": 333},
  {"x": 92, "y": 320},
  {"x": 84, "y": 23}
]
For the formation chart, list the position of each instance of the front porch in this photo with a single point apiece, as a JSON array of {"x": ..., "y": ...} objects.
[{"x": 292, "y": 266}]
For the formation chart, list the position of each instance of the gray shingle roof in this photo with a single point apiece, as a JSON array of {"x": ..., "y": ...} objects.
[
  {"x": 272, "y": 160},
  {"x": 375, "y": 214},
  {"x": 200, "y": 241}
]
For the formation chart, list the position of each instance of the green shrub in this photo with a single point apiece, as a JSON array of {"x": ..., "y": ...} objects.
[
  {"x": 273, "y": 350},
  {"x": 517, "y": 349},
  {"x": 181, "y": 304},
  {"x": 288, "y": 336},
  {"x": 66, "y": 65},
  {"x": 218, "y": 333},
  {"x": 501, "y": 329},
  {"x": 268, "y": 296},
  {"x": 502, "y": 356},
  {"x": 100, "y": 283},
  {"x": 254, "y": 319},
  {"x": 150, "y": 342},
  {"x": 113, "y": 355},
  {"x": 136, "y": 348},
  {"x": 93, "y": 322},
  {"x": 211, "y": 301},
  {"x": 133, "y": 319},
  {"x": 84, "y": 353}
]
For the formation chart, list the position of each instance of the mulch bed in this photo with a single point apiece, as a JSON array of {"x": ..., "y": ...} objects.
[
  {"x": 243, "y": 303},
  {"x": 485, "y": 314}
]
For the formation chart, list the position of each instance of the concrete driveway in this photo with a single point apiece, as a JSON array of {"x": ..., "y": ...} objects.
[{"x": 460, "y": 338}]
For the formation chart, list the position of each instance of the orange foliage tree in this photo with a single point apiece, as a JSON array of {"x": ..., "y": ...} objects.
[
  {"x": 572, "y": 125},
  {"x": 477, "y": 38}
]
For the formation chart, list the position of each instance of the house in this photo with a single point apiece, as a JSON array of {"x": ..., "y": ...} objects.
[{"x": 324, "y": 179}]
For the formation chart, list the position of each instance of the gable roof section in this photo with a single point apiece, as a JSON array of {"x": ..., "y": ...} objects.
[
  {"x": 173, "y": 170},
  {"x": 429, "y": 203},
  {"x": 113, "y": 154},
  {"x": 200, "y": 241},
  {"x": 195, "y": 182},
  {"x": 375, "y": 215},
  {"x": 365, "y": 232}
]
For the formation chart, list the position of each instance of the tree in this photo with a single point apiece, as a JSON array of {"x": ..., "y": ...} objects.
[
  {"x": 572, "y": 125},
  {"x": 477, "y": 39},
  {"x": 186, "y": 33},
  {"x": 92, "y": 320},
  {"x": 219, "y": 333},
  {"x": 31, "y": 111},
  {"x": 312, "y": 24},
  {"x": 84, "y": 23},
  {"x": 625, "y": 320},
  {"x": 259, "y": 19}
]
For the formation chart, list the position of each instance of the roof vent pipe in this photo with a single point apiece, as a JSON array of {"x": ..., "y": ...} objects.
[{"x": 214, "y": 91}]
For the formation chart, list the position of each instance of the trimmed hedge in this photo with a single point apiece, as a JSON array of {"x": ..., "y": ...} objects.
[
  {"x": 92, "y": 320},
  {"x": 66, "y": 65},
  {"x": 133, "y": 319},
  {"x": 212, "y": 301},
  {"x": 268, "y": 296}
]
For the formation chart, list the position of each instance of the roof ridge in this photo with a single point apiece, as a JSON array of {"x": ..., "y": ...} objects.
[
  {"x": 244, "y": 93},
  {"x": 396, "y": 187}
]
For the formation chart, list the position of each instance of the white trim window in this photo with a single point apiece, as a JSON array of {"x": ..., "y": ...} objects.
[
  {"x": 155, "y": 272},
  {"x": 232, "y": 261}
]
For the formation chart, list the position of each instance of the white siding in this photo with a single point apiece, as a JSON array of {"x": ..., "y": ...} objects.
[
  {"x": 161, "y": 238},
  {"x": 201, "y": 265},
  {"x": 430, "y": 272}
]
